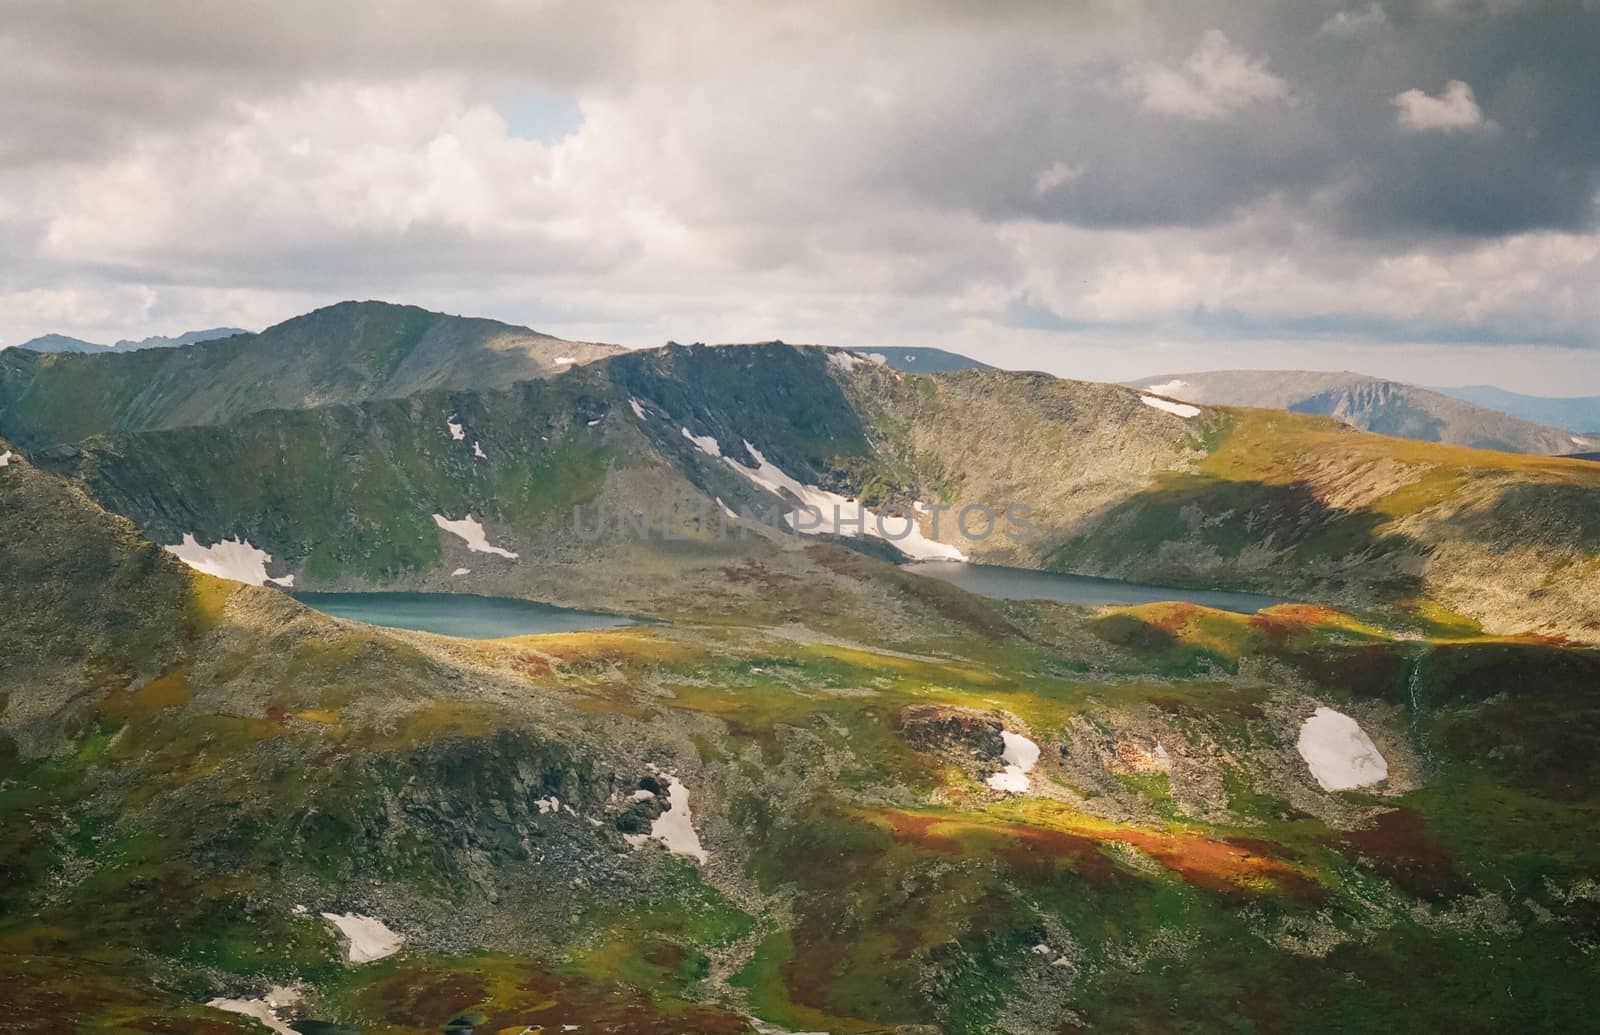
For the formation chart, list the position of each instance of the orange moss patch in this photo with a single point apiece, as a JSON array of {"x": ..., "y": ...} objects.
[
  {"x": 1230, "y": 865},
  {"x": 164, "y": 691}
]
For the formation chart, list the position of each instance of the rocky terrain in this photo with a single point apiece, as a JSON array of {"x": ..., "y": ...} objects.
[
  {"x": 816, "y": 792},
  {"x": 916, "y": 811}
]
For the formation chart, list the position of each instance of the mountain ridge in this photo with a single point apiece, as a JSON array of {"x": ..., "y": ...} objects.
[
  {"x": 344, "y": 352},
  {"x": 1119, "y": 485},
  {"x": 1371, "y": 404},
  {"x": 1580, "y": 413},
  {"x": 66, "y": 343}
]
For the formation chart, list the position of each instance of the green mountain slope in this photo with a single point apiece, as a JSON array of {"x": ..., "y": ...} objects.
[
  {"x": 1291, "y": 505},
  {"x": 1372, "y": 404},
  {"x": 344, "y": 353},
  {"x": 176, "y": 818}
]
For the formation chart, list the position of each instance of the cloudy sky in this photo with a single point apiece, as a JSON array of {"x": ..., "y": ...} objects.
[{"x": 1102, "y": 189}]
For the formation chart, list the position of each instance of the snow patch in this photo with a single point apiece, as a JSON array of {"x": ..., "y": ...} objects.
[
  {"x": 264, "y": 1010},
  {"x": 842, "y": 360},
  {"x": 5, "y": 458},
  {"x": 707, "y": 444},
  {"x": 457, "y": 432},
  {"x": 1339, "y": 753},
  {"x": 477, "y": 451},
  {"x": 369, "y": 938},
  {"x": 461, "y": 571},
  {"x": 472, "y": 534},
  {"x": 725, "y": 508},
  {"x": 878, "y": 358},
  {"x": 765, "y": 1028},
  {"x": 674, "y": 827},
  {"x": 564, "y": 360},
  {"x": 548, "y": 805},
  {"x": 841, "y": 516},
  {"x": 1020, "y": 756},
  {"x": 1174, "y": 388},
  {"x": 1180, "y": 409},
  {"x": 638, "y": 407},
  {"x": 232, "y": 559}
]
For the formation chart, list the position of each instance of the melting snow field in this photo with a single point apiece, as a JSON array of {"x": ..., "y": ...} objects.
[
  {"x": 369, "y": 939},
  {"x": 1180, "y": 409},
  {"x": 841, "y": 516},
  {"x": 707, "y": 444},
  {"x": 232, "y": 559},
  {"x": 674, "y": 827},
  {"x": 1340, "y": 754},
  {"x": 638, "y": 408},
  {"x": 457, "y": 432},
  {"x": 263, "y": 1010},
  {"x": 470, "y": 532},
  {"x": 1020, "y": 756}
]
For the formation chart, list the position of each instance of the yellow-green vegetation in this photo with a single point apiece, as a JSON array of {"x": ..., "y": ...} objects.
[
  {"x": 1304, "y": 506},
  {"x": 193, "y": 772}
]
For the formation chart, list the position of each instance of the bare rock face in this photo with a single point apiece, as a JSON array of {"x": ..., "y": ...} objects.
[{"x": 957, "y": 733}]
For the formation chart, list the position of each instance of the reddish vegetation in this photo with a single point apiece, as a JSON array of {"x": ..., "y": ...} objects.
[
  {"x": 1399, "y": 846},
  {"x": 532, "y": 665},
  {"x": 918, "y": 827},
  {"x": 1233, "y": 865},
  {"x": 419, "y": 997},
  {"x": 1227, "y": 866},
  {"x": 1035, "y": 849},
  {"x": 416, "y": 993},
  {"x": 752, "y": 572}
]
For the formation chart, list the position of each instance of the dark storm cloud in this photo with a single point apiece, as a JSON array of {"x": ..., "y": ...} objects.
[{"x": 1333, "y": 141}]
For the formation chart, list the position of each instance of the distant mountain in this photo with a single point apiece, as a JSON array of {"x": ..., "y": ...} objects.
[
  {"x": 64, "y": 343},
  {"x": 1371, "y": 404},
  {"x": 344, "y": 353},
  {"x": 1580, "y": 413},
  {"x": 61, "y": 343},
  {"x": 926, "y": 361},
  {"x": 160, "y": 341}
]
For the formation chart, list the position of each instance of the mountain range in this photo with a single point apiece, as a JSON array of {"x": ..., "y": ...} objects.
[
  {"x": 343, "y": 353},
  {"x": 1579, "y": 412},
  {"x": 809, "y": 789},
  {"x": 1373, "y": 404},
  {"x": 365, "y": 420},
  {"x": 63, "y": 343}
]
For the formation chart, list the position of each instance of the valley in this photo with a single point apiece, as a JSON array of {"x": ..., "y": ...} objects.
[{"x": 806, "y": 788}]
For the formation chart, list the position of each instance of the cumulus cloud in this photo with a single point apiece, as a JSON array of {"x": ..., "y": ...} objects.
[
  {"x": 1073, "y": 182},
  {"x": 1216, "y": 80},
  {"x": 1455, "y": 110}
]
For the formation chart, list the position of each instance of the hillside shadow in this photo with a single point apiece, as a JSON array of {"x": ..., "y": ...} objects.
[{"x": 1197, "y": 531}]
